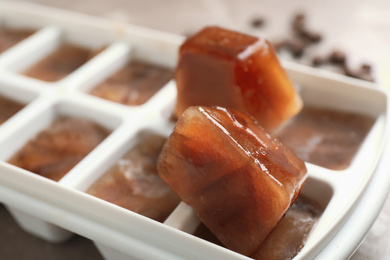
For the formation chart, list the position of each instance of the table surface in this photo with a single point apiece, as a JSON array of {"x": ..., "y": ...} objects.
[{"x": 358, "y": 27}]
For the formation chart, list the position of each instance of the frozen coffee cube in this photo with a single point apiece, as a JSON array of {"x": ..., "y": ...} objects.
[
  {"x": 239, "y": 180},
  {"x": 218, "y": 67},
  {"x": 55, "y": 150},
  {"x": 134, "y": 84},
  {"x": 326, "y": 137},
  {"x": 11, "y": 36},
  {"x": 291, "y": 234},
  {"x": 8, "y": 108},
  {"x": 288, "y": 237},
  {"x": 133, "y": 182}
]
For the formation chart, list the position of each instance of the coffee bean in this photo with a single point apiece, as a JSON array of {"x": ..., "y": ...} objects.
[
  {"x": 258, "y": 22},
  {"x": 312, "y": 36},
  {"x": 296, "y": 46},
  {"x": 298, "y": 22},
  {"x": 317, "y": 61},
  {"x": 337, "y": 57},
  {"x": 359, "y": 74},
  {"x": 280, "y": 44},
  {"x": 302, "y": 38},
  {"x": 365, "y": 68}
]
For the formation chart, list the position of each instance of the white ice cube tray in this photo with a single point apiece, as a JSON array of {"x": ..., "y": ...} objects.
[{"x": 56, "y": 210}]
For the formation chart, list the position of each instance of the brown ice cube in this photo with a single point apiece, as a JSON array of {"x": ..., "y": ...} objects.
[
  {"x": 133, "y": 182},
  {"x": 58, "y": 148},
  {"x": 60, "y": 63},
  {"x": 287, "y": 238},
  {"x": 218, "y": 67},
  {"x": 8, "y": 108},
  {"x": 239, "y": 180},
  {"x": 11, "y": 36},
  {"x": 134, "y": 84},
  {"x": 326, "y": 137}
]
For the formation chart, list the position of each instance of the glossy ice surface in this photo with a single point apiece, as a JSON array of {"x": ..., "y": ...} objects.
[
  {"x": 58, "y": 148},
  {"x": 8, "y": 108},
  {"x": 326, "y": 137},
  {"x": 60, "y": 63},
  {"x": 218, "y": 67},
  {"x": 239, "y": 180},
  {"x": 9, "y": 37},
  {"x": 133, "y": 182},
  {"x": 134, "y": 84},
  {"x": 287, "y": 238}
]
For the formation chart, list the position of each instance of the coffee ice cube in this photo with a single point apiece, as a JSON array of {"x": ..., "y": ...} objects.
[
  {"x": 288, "y": 237},
  {"x": 291, "y": 234},
  {"x": 11, "y": 36},
  {"x": 8, "y": 108},
  {"x": 133, "y": 182},
  {"x": 219, "y": 67},
  {"x": 239, "y": 180},
  {"x": 58, "y": 148},
  {"x": 134, "y": 84},
  {"x": 61, "y": 62},
  {"x": 326, "y": 137}
]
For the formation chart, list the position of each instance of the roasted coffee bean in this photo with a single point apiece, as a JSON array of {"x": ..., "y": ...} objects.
[
  {"x": 298, "y": 22},
  {"x": 312, "y": 36},
  {"x": 366, "y": 68},
  {"x": 280, "y": 44},
  {"x": 317, "y": 61},
  {"x": 360, "y": 74},
  {"x": 297, "y": 47},
  {"x": 302, "y": 38},
  {"x": 300, "y": 29},
  {"x": 337, "y": 57},
  {"x": 258, "y": 22}
]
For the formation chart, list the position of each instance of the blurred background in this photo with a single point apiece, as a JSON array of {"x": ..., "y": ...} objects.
[
  {"x": 358, "y": 31},
  {"x": 358, "y": 28}
]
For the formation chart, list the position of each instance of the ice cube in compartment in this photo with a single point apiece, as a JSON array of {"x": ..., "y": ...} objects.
[
  {"x": 141, "y": 141},
  {"x": 288, "y": 237},
  {"x": 326, "y": 137},
  {"x": 43, "y": 113},
  {"x": 336, "y": 192},
  {"x": 335, "y": 121},
  {"x": 8, "y": 108},
  {"x": 59, "y": 147},
  {"x": 291, "y": 233},
  {"x": 126, "y": 77},
  {"x": 133, "y": 84},
  {"x": 10, "y": 36},
  {"x": 55, "y": 54},
  {"x": 132, "y": 182},
  {"x": 13, "y": 98}
]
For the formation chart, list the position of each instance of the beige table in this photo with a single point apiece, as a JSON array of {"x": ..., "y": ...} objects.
[{"x": 359, "y": 27}]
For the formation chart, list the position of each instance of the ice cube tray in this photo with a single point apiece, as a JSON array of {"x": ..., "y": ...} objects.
[{"x": 56, "y": 210}]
